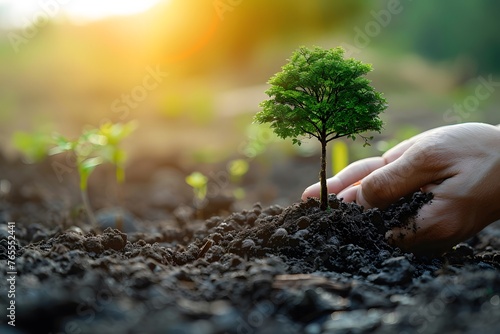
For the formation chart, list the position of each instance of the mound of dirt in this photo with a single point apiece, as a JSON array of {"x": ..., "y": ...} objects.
[{"x": 263, "y": 270}]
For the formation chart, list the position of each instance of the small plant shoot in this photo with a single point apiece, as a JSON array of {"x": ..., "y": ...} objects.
[
  {"x": 85, "y": 150},
  {"x": 237, "y": 169},
  {"x": 114, "y": 133},
  {"x": 34, "y": 146},
  {"x": 198, "y": 182},
  {"x": 93, "y": 148},
  {"x": 320, "y": 94}
]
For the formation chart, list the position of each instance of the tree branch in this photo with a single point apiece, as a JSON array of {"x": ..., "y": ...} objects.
[{"x": 309, "y": 133}]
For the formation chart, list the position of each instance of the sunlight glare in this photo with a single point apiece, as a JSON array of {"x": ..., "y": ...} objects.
[
  {"x": 98, "y": 9},
  {"x": 16, "y": 13}
]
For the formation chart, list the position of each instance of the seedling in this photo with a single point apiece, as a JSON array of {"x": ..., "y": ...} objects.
[
  {"x": 199, "y": 183},
  {"x": 237, "y": 169},
  {"x": 320, "y": 94},
  {"x": 85, "y": 149},
  {"x": 114, "y": 133},
  {"x": 93, "y": 148},
  {"x": 34, "y": 146}
]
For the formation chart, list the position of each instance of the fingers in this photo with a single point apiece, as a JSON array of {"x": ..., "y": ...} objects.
[
  {"x": 417, "y": 167},
  {"x": 398, "y": 150},
  {"x": 349, "y": 194},
  {"x": 345, "y": 178}
]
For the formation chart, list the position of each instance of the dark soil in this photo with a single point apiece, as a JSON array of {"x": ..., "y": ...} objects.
[{"x": 261, "y": 270}]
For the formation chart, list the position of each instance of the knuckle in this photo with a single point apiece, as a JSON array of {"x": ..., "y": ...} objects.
[{"x": 378, "y": 189}]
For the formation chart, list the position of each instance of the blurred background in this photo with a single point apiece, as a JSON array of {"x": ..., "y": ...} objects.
[{"x": 192, "y": 73}]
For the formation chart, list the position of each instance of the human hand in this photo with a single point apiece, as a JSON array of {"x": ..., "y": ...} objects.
[{"x": 459, "y": 164}]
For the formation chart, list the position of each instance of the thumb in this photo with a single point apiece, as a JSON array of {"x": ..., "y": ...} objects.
[{"x": 413, "y": 170}]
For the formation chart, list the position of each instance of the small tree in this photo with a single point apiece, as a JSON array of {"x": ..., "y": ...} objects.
[{"x": 320, "y": 94}]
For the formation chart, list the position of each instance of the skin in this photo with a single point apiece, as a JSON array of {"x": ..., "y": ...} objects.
[{"x": 459, "y": 164}]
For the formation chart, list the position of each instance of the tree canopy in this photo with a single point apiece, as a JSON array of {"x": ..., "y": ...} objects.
[{"x": 320, "y": 94}]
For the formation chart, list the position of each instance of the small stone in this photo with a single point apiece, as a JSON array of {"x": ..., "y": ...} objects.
[
  {"x": 251, "y": 218},
  {"x": 257, "y": 209},
  {"x": 239, "y": 217},
  {"x": 93, "y": 244},
  {"x": 279, "y": 233},
  {"x": 114, "y": 239},
  {"x": 303, "y": 222},
  {"x": 301, "y": 234},
  {"x": 247, "y": 244},
  {"x": 464, "y": 250},
  {"x": 357, "y": 321},
  {"x": 273, "y": 210},
  {"x": 395, "y": 270},
  {"x": 496, "y": 258}
]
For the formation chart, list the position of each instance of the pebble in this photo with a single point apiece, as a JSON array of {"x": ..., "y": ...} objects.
[
  {"x": 356, "y": 321},
  {"x": 395, "y": 270},
  {"x": 247, "y": 243}
]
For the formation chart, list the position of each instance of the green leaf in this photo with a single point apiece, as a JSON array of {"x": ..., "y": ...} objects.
[
  {"x": 116, "y": 132},
  {"x": 199, "y": 183},
  {"x": 62, "y": 144},
  {"x": 196, "y": 180},
  {"x": 88, "y": 165},
  {"x": 238, "y": 167},
  {"x": 34, "y": 146}
]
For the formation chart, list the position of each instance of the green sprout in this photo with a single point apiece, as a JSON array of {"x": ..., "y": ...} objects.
[
  {"x": 321, "y": 94},
  {"x": 199, "y": 183},
  {"x": 34, "y": 146},
  {"x": 237, "y": 169},
  {"x": 92, "y": 148},
  {"x": 86, "y": 150},
  {"x": 114, "y": 133}
]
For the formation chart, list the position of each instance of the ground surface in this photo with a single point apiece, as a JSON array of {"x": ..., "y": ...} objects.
[{"x": 265, "y": 269}]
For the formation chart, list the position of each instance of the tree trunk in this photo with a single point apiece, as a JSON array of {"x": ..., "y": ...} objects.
[{"x": 322, "y": 178}]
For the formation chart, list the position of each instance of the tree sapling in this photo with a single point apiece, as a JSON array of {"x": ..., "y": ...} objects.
[{"x": 320, "y": 94}]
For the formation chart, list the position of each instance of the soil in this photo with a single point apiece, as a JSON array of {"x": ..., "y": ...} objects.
[{"x": 265, "y": 269}]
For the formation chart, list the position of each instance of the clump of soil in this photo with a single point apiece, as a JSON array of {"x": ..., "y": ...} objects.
[{"x": 344, "y": 238}]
